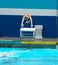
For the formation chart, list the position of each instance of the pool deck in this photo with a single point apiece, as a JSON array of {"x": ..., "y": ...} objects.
[
  {"x": 44, "y": 39},
  {"x": 39, "y": 43}
]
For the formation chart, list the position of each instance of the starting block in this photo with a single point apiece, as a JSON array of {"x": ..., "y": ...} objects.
[
  {"x": 36, "y": 32},
  {"x": 27, "y": 35}
]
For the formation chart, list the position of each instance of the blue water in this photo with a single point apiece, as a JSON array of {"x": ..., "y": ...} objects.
[{"x": 21, "y": 56}]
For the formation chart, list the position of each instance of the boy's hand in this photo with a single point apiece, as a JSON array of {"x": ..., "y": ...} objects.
[
  {"x": 31, "y": 26},
  {"x": 22, "y": 25}
]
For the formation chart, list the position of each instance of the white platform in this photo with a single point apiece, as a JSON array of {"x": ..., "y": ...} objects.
[{"x": 27, "y": 29}]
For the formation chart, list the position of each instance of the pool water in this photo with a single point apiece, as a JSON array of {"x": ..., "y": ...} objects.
[{"x": 23, "y": 56}]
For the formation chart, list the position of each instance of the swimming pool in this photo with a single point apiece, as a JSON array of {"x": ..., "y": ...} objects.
[{"x": 23, "y": 56}]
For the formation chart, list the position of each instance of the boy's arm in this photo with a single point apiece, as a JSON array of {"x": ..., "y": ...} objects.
[
  {"x": 31, "y": 21},
  {"x": 22, "y": 21}
]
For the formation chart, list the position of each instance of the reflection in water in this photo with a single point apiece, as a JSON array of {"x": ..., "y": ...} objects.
[
  {"x": 5, "y": 54},
  {"x": 21, "y": 61}
]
